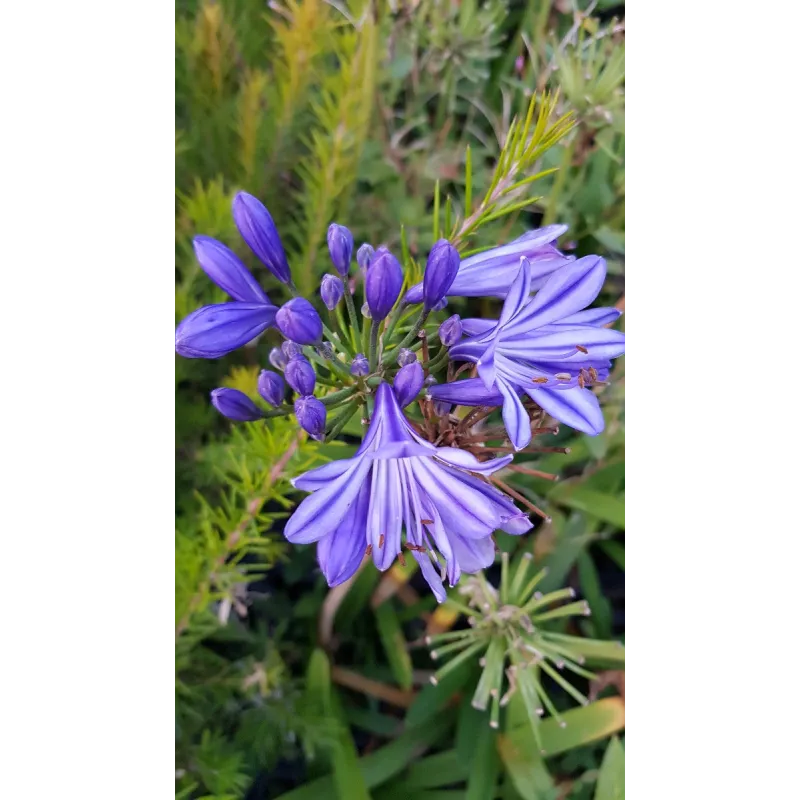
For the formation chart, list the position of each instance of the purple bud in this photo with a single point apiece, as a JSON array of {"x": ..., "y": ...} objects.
[
  {"x": 440, "y": 272},
  {"x": 310, "y": 414},
  {"x": 258, "y": 230},
  {"x": 236, "y": 405},
  {"x": 277, "y": 358},
  {"x": 365, "y": 255},
  {"x": 331, "y": 290},
  {"x": 408, "y": 383},
  {"x": 340, "y": 245},
  {"x": 450, "y": 331},
  {"x": 225, "y": 268},
  {"x": 300, "y": 376},
  {"x": 271, "y": 387},
  {"x": 441, "y": 408},
  {"x": 290, "y": 350},
  {"x": 299, "y": 322},
  {"x": 326, "y": 351},
  {"x": 406, "y": 356},
  {"x": 383, "y": 283},
  {"x": 360, "y": 365}
]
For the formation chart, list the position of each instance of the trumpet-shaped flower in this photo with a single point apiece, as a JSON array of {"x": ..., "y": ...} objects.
[
  {"x": 547, "y": 347},
  {"x": 399, "y": 485}
]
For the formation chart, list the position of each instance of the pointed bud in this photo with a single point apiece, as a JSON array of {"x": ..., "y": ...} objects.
[
  {"x": 331, "y": 290},
  {"x": 383, "y": 283},
  {"x": 340, "y": 245},
  {"x": 271, "y": 387},
  {"x": 450, "y": 331},
  {"x": 258, "y": 230},
  {"x": 408, "y": 383},
  {"x": 299, "y": 322},
  {"x": 440, "y": 272},
  {"x": 277, "y": 358},
  {"x": 300, "y": 376},
  {"x": 290, "y": 350},
  {"x": 236, "y": 405},
  {"x": 310, "y": 414},
  {"x": 360, "y": 365},
  {"x": 365, "y": 255},
  {"x": 406, "y": 356},
  {"x": 225, "y": 268}
]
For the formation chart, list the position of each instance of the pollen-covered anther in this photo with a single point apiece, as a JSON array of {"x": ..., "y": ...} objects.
[
  {"x": 583, "y": 349},
  {"x": 368, "y": 551},
  {"x": 563, "y": 376},
  {"x": 381, "y": 540},
  {"x": 401, "y": 558},
  {"x": 539, "y": 380}
]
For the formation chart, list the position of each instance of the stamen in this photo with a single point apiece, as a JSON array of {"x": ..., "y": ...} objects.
[
  {"x": 381, "y": 540},
  {"x": 582, "y": 348},
  {"x": 369, "y": 550},
  {"x": 426, "y": 521},
  {"x": 401, "y": 558},
  {"x": 522, "y": 499},
  {"x": 563, "y": 376},
  {"x": 535, "y": 473},
  {"x": 593, "y": 373},
  {"x": 581, "y": 381},
  {"x": 539, "y": 380}
]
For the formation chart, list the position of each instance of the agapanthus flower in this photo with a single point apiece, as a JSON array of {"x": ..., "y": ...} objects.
[
  {"x": 215, "y": 330},
  {"x": 491, "y": 273},
  {"x": 398, "y": 482},
  {"x": 235, "y": 405},
  {"x": 450, "y": 331},
  {"x": 311, "y": 415},
  {"x": 300, "y": 376},
  {"x": 257, "y": 228},
  {"x": 340, "y": 246},
  {"x": 271, "y": 387},
  {"x": 547, "y": 347}
]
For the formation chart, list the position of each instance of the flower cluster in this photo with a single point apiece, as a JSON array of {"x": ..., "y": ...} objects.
[{"x": 425, "y": 485}]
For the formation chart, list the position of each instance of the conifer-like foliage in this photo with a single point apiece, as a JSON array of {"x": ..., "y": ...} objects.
[{"x": 408, "y": 120}]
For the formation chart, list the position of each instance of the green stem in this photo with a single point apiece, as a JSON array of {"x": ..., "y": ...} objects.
[
  {"x": 410, "y": 336},
  {"x": 340, "y": 338},
  {"x": 334, "y": 398},
  {"x": 435, "y": 364},
  {"x": 351, "y": 310},
  {"x": 342, "y": 418},
  {"x": 398, "y": 312},
  {"x": 280, "y": 411},
  {"x": 373, "y": 345}
]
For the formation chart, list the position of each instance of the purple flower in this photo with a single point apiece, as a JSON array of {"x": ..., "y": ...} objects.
[
  {"x": 440, "y": 272},
  {"x": 360, "y": 365},
  {"x": 236, "y": 405},
  {"x": 271, "y": 387},
  {"x": 491, "y": 273},
  {"x": 331, "y": 290},
  {"x": 450, "y": 331},
  {"x": 397, "y": 481},
  {"x": 406, "y": 356},
  {"x": 214, "y": 331},
  {"x": 290, "y": 350},
  {"x": 364, "y": 255},
  {"x": 546, "y": 347},
  {"x": 300, "y": 376},
  {"x": 383, "y": 283},
  {"x": 408, "y": 383},
  {"x": 340, "y": 245},
  {"x": 299, "y": 322},
  {"x": 258, "y": 230},
  {"x": 277, "y": 358},
  {"x": 310, "y": 414}
]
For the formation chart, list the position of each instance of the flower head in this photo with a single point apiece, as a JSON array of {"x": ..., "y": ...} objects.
[
  {"x": 340, "y": 246},
  {"x": 398, "y": 482},
  {"x": 257, "y": 228},
  {"x": 440, "y": 272},
  {"x": 491, "y": 273},
  {"x": 299, "y": 322},
  {"x": 271, "y": 387},
  {"x": 311, "y": 415},
  {"x": 236, "y": 405},
  {"x": 383, "y": 283},
  {"x": 547, "y": 347}
]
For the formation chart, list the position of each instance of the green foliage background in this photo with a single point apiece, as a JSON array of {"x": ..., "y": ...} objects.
[{"x": 351, "y": 112}]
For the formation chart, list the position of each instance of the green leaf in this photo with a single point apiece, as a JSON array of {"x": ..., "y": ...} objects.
[
  {"x": 615, "y": 551},
  {"x": 484, "y": 768},
  {"x": 394, "y": 644},
  {"x": 600, "y": 621},
  {"x": 611, "y": 780},
  {"x": 441, "y": 769},
  {"x": 526, "y": 768},
  {"x": 432, "y": 699},
  {"x": 572, "y": 537},
  {"x": 602, "y": 506}
]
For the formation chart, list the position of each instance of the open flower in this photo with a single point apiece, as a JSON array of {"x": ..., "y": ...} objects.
[
  {"x": 491, "y": 273},
  {"x": 547, "y": 347},
  {"x": 398, "y": 482}
]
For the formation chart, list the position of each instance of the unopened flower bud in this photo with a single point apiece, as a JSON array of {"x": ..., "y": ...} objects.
[
  {"x": 236, "y": 405},
  {"x": 271, "y": 387}
]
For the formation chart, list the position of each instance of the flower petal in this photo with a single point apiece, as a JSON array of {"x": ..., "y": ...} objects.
[
  {"x": 566, "y": 292},
  {"x": 467, "y": 392},
  {"x": 225, "y": 268},
  {"x": 576, "y": 407},
  {"x": 473, "y": 554},
  {"x": 601, "y": 344},
  {"x": 431, "y": 575},
  {"x": 214, "y": 331},
  {"x": 340, "y": 553},
  {"x": 517, "y": 295},
  {"x": 320, "y": 476},
  {"x": 461, "y": 459},
  {"x": 322, "y": 512},
  {"x": 475, "y": 326},
  {"x": 515, "y": 417},
  {"x": 592, "y": 316}
]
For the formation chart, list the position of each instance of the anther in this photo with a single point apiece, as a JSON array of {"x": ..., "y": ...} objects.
[
  {"x": 401, "y": 558},
  {"x": 381, "y": 540},
  {"x": 433, "y": 680},
  {"x": 581, "y": 381},
  {"x": 369, "y": 550},
  {"x": 426, "y": 521},
  {"x": 593, "y": 373},
  {"x": 563, "y": 376},
  {"x": 539, "y": 380},
  {"x": 582, "y": 348}
]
